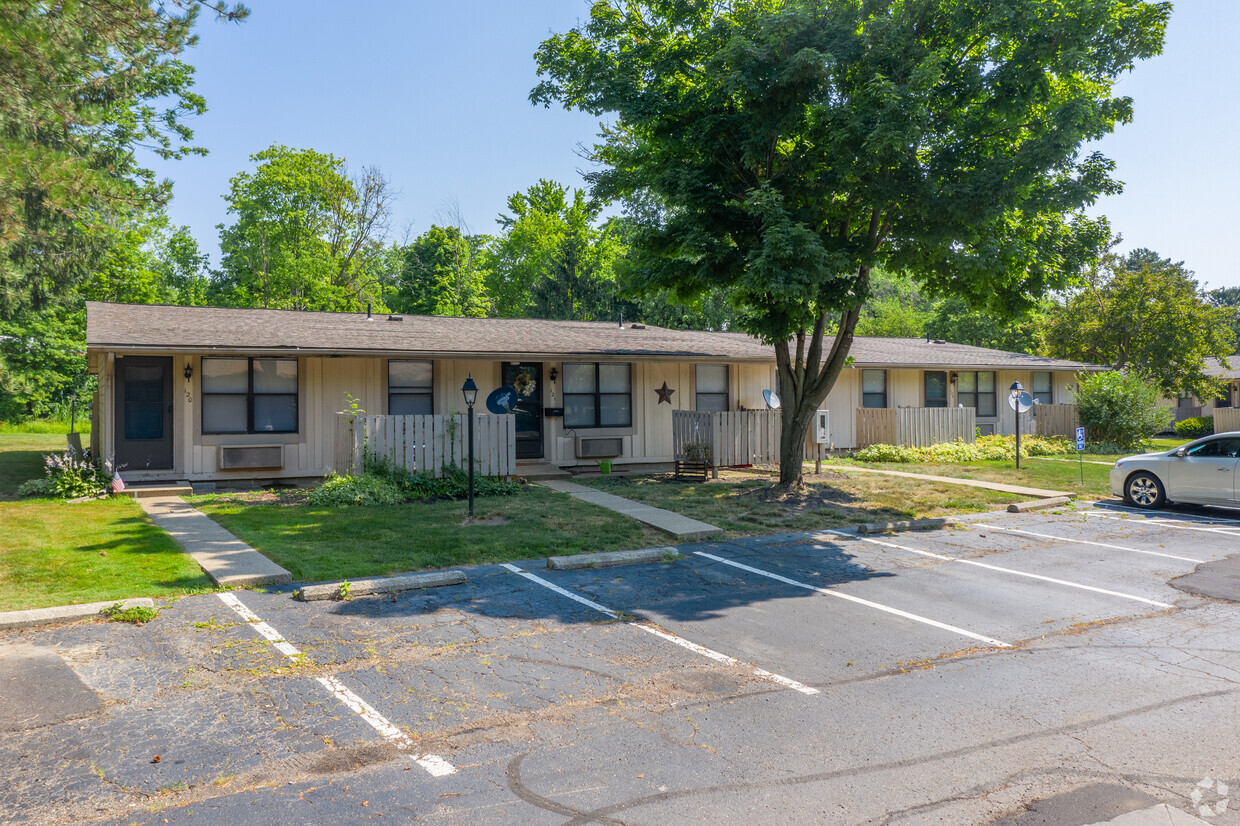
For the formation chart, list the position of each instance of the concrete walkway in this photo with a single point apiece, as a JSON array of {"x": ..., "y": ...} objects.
[
  {"x": 224, "y": 557},
  {"x": 1019, "y": 490},
  {"x": 681, "y": 527}
]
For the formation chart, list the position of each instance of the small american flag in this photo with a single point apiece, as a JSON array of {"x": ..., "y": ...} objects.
[{"x": 118, "y": 484}]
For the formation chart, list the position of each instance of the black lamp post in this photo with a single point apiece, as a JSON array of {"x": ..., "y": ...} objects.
[
  {"x": 470, "y": 391},
  {"x": 1016, "y": 391}
]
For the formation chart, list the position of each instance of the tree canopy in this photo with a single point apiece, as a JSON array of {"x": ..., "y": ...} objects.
[
  {"x": 306, "y": 236},
  {"x": 793, "y": 145},
  {"x": 84, "y": 84},
  {"x": 1145, "y": 314}
]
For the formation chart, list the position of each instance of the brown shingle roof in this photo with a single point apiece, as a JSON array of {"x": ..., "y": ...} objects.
[
  {"x": 1214, "y": 367},
  {"x": 220, "y": 329}
]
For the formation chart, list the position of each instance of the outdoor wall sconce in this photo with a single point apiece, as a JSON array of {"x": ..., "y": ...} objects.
[
  {"x": 951, "y": 377},
  {"x": 554, "y": 374},
  {"x": 189, "y": 372}
]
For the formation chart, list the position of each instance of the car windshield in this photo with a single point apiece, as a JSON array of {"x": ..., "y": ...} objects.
[{"x": 1228, "y": 448}]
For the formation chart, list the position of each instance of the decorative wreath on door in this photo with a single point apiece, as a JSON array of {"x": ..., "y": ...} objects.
[{"x": 525, "y": 383}]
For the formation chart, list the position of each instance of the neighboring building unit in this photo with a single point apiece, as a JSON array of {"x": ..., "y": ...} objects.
[{"x": 205, "y": 393}]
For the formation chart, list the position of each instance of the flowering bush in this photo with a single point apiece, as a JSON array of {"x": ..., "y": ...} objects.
[{"x": 69, "y": 476}]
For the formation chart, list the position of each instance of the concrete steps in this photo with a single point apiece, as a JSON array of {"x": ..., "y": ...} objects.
[{"x": 143, "y": 490}]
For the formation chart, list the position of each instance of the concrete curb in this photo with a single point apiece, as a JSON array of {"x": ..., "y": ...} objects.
[
  {"x": 907, "y": 525},
  {"x": 1039, "y": 504},
  {"x": 67, "y": 613},
  {"x": 610, "y": 559},
  {"x": 382, "y": 585}
]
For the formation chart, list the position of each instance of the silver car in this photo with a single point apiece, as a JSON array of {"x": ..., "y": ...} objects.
[{"x": 1201, "y": 473}]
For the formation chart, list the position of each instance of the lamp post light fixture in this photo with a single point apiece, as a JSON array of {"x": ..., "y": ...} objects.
[
  {"x": 470, "y": 391},
  {"x": 1017, "y": 389}
]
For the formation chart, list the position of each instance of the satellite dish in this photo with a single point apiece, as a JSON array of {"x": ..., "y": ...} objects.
[
  {"x": 1022, "y": 403},
  {"x": 772, "y": 399},
  {"x": 503, "y": 400}
]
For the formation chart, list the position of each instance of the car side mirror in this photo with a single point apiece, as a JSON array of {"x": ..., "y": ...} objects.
[{"x": 1179, "y": 453}]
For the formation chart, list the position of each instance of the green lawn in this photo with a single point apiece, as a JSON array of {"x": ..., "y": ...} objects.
[
  {"x": 57, "y": 553},
  {"x": 21, "y": 458},
  {"x": 1051, "y": 473},
  {"x": 332, "y": 543},
  {"x": 747, "y": 505}
]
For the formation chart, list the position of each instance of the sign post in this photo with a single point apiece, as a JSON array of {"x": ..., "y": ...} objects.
[{"x": 1080, "y": 451}]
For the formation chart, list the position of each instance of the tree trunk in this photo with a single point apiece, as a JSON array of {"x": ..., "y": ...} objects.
[{"x": 805, "y": 379}]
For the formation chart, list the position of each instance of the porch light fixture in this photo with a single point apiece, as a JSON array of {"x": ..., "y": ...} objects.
[
  {"x": 189, "y": 372},
  {"x": 470, "y": 391},
  {"x": 554, "y": 374}
]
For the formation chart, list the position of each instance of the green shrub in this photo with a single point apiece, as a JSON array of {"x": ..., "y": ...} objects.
[
  {"x": 1195, "y": 427},
  {"x": 885, "y": 453},
  {"x": 1120, "y": 408},
  {"x": 367, "y": 489},
  {"x": 986, "y": 448},
  {"x": 70, "y": 477},
  {"x": 35, "y": 487}
]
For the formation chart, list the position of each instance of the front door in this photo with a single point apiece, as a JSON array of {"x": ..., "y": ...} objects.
[
  {"x": 144, "y": 413},
  {"x": 526, "y": 377}
]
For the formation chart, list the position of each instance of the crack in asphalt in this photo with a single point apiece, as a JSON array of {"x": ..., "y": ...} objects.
[{"x": 600, "y": 814}]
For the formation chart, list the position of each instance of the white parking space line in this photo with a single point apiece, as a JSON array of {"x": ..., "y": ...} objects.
[
  {"x": 858, "y": 600},
  {"x": 255, "y": 622},
  {"x": 1174, "y": 524},
  {"x": 1189, "y": 517},
  {"x": 437, "y": 766},
  {"x": 994, "y": 527},
  {"x": 670, "y": 637},
  {"x": 977, "y": 564}
]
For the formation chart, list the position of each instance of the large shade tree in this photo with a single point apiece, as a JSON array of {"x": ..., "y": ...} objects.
[
  {"x": 83, "y": 84},
  {"x": 1148, "y": 315},
  {"x": 794, "y": 145}
]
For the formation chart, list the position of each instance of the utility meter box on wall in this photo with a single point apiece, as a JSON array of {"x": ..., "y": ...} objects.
[{"x": 822, "y": 427}]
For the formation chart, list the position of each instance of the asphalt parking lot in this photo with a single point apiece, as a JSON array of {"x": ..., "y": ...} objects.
[{"x": 1036, "y": 668}]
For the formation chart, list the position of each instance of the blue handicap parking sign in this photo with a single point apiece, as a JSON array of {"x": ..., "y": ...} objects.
[{"x": 1080, "y": 438}]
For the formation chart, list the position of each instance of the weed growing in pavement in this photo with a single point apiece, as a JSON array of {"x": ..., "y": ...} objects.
[
  {"x": 138, "y": 614},
  {"x": 213, "y": 625},
  {"x": 342, "y": 592}
]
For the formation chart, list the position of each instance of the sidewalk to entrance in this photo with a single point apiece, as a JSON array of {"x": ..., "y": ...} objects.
[
  {"x": 681, "y": 527},
  {"x": 224, "y": 557}
]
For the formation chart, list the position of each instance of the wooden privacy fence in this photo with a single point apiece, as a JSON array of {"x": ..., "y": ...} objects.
[
  {"x": 1226, "y": 419},
  {"x": 1056, "y": 420},
  {"x": 915, "y": 426},
  {"x": 744, "y": 437},
  {"x": 426, "y": 444}
]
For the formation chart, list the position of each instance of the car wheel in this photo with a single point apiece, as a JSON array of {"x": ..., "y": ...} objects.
[{"x": 1144, "y": 490}]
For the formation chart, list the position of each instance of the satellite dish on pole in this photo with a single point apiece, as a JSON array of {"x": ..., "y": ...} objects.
[
  {"x": 503, "y": 400},
  {"x": 772, "y": 399},
  {"x": 1022, "y": 403}
]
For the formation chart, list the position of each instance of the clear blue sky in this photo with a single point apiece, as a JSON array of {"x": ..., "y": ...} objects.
[{"x": 436, "y": 95}]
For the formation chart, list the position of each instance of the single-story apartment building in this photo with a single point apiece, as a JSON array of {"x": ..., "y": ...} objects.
[
  {"x": 184, "y": 391},
  {"x": 1186, "y": 407}
]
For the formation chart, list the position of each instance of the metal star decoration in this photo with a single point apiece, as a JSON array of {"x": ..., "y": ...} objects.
[{"x": 665, "y": 393}]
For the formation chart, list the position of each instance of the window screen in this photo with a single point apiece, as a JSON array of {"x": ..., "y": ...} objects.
[
  {"x": 597, "y": 395},
  {"x": 411, "y": 387},
  {"x": 977, "y": 390},
  {"x": 249, "y": 395},
  {"x": 1043, "y": 388},
  {"x": 712, "y": 387},
  {"x": 936, "y": 389},
  {"x": 874, "y": 388}
]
